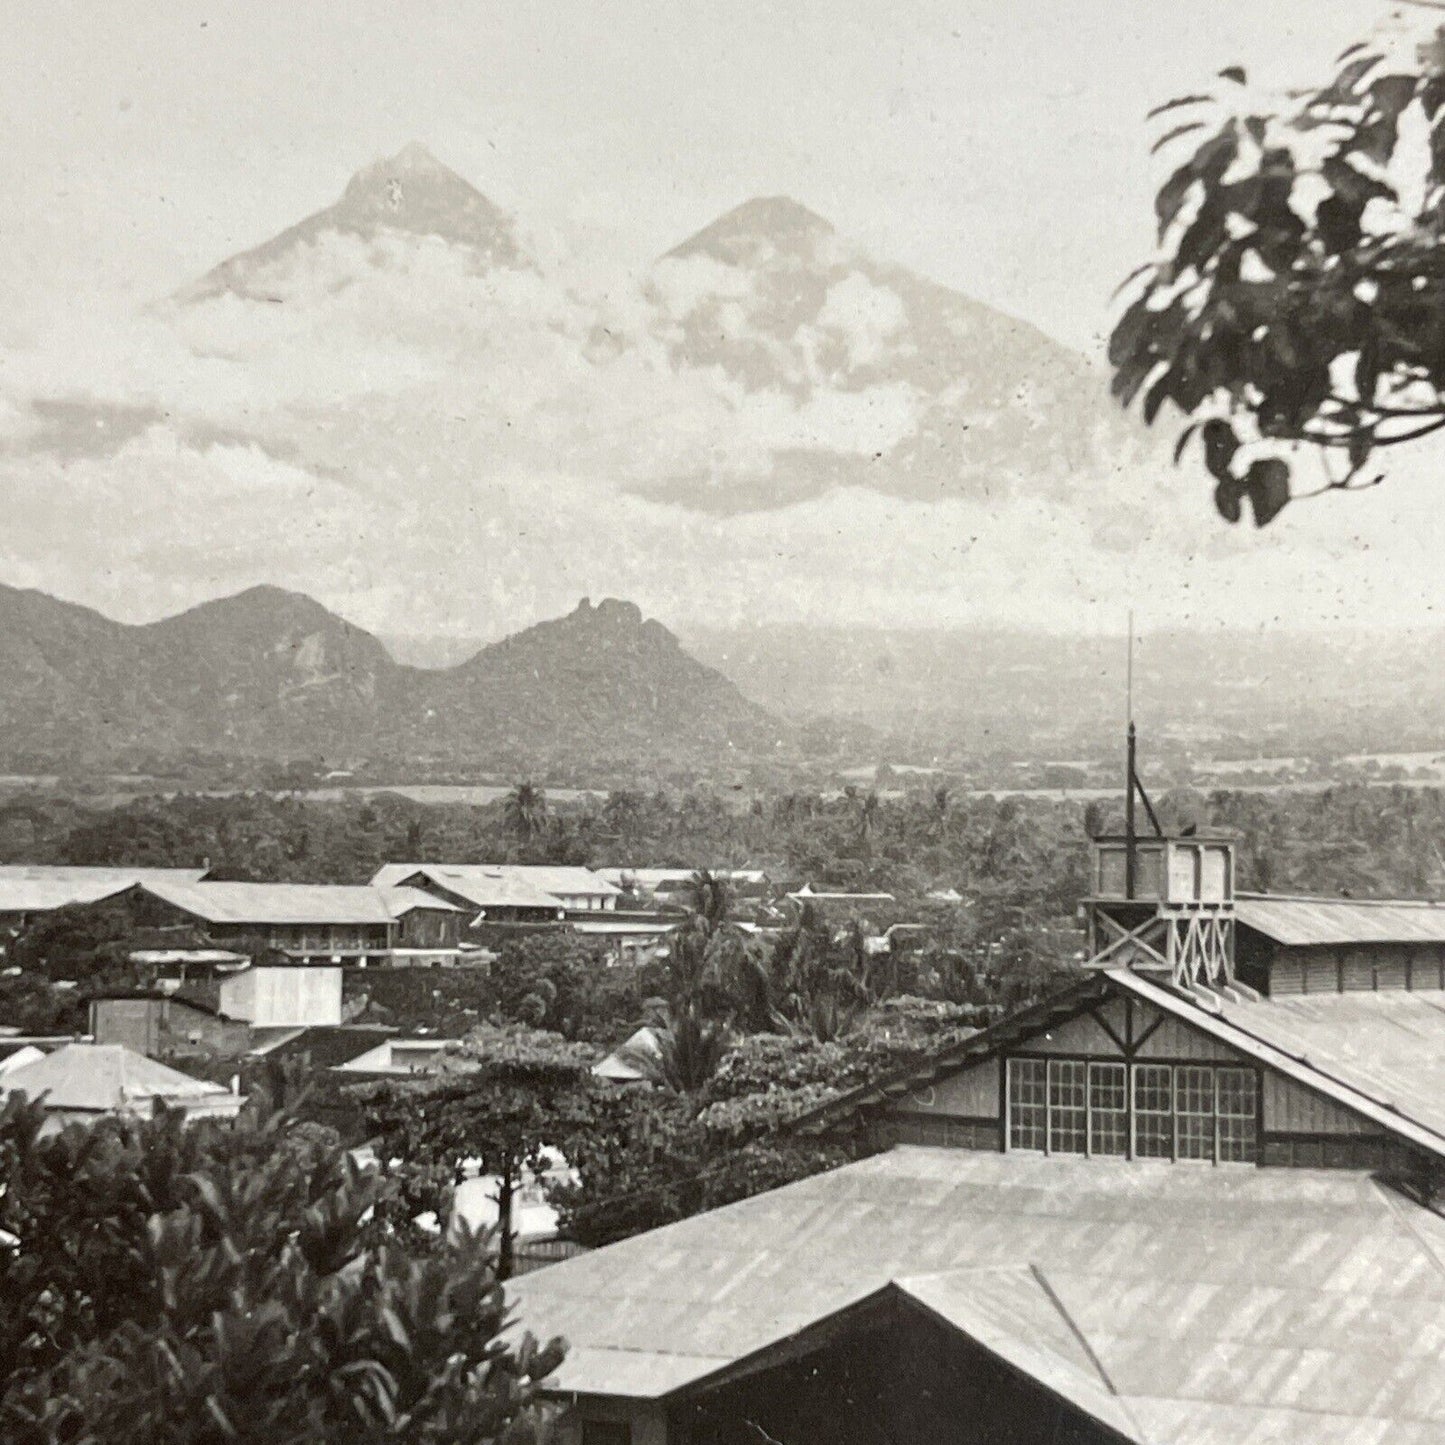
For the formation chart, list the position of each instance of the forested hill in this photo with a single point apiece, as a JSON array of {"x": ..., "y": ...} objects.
[{"x": 273, "y": 674}]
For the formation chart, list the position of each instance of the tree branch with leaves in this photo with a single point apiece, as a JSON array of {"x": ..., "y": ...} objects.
[{"x": 1295, "y": 313}]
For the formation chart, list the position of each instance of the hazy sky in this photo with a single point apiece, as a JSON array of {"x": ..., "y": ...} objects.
[{"x": 1000, "y": 149}]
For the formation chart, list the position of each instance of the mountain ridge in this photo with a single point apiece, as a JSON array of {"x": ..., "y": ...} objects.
[{"x": 272, "y": 672}]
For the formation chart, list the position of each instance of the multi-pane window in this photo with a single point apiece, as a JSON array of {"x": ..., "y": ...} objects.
[
  {"x": 1194, "y": 1111},
  {"x": 1146, "y": 1111},
  {"x": 1028, "y": 1104},
  {"x": 1068, "y": 1106},
  {"x": 1108, "y": 1109},
  {"x": 1153, "y": 1111},
  {"x": 1237, "y": 1117}
]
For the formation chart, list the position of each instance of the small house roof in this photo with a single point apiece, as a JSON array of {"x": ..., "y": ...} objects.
[
  {"x": 97, "y": 1078},
  {"x": 546, "y": 878},
  {"x": 808, "y": 894},
  {"x": 619, "y": 1068}
]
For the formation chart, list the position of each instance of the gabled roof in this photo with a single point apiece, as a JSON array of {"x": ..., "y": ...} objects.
[
  {"x": 619, "y": 1067},
  {"x": 1179, "y": 1306},
  {"x": 96, "y": 1078},
  {"x": 558, "y": 879},
  {"x": 1089, "y": 987},
  {"x": 482, "y": 886},
  {"x": 545, "y": 880},
  {"x": 1382, "y": 1056},
  {"x": 1303, "y": 922},
  {"x": 326, "y": 1046},
  {"x": 262, "y": 903},
  {"x": 400, "y": 901},
  {"x": 808, "y": 894},
  {"x": 42, "y": 895}
]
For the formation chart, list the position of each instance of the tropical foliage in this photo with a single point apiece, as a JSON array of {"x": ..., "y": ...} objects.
[
  {"x": 215, "y": 1283},
  {"x": 1296, "y": 309}
]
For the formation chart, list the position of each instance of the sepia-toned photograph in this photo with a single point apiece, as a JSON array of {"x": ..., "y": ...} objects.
[{"x": 722, "y": 725}]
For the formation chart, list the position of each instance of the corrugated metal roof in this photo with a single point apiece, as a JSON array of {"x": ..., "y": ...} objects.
[
  {"x": 1216, "y": 1305},
  {"x": 1383, "y": 1057},
  {"x": 1013, "y": 1314},
  {"x": 259, "y": 903},
  {"x": 559, "y": 880},
  {"x": 96, "y": 1078},
  {"x": 1389, "y": 1045},
  {"x": 1301, "y": 922},
  {"x": 1318, "y": 1050}
]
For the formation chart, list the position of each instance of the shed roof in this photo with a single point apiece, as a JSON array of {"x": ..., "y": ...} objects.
[
  {"x": 1300, "y": 1305},
  {"x": 96, "y": 1078},
  {"x": 260, "y": 903},
  {"x": 1301, "y": 922}
]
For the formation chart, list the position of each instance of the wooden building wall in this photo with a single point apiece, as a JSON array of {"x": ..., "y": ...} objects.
[
  {"x": 1280, "y": 970},
  {"x": 1293, "y": 1126},
  {"x": 909, "y": 1378}
]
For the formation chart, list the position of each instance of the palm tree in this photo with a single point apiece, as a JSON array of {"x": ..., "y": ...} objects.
[
  {"x": 526, "y": 811},
  {"x": 712, "y": 964},
  {"x": 938, "y": 813},
  {"x": 867, "y": 816},
  {"x": 687, "y": 1050}
]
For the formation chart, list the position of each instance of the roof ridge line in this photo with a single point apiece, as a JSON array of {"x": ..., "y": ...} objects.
[
  {"x": 1395, "y": 1205},
  {"x": 1043, "y": 1283},
  {"x": 1339, "y": 898}
]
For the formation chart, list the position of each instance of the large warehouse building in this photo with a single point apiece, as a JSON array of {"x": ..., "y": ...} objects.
[{"x": 1166, "y": 1206}]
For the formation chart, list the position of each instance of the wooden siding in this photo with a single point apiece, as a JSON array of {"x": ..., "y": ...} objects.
[
  {"x": 1292, "y": 1109},
  {"x": 1174, "y": 1039},
  {"x": 1363, "y": 968},
  {"x": 1082, "y": 1035},
  {"x": 940, "y": 1132},
  {"x": 972, "y": 1094}
]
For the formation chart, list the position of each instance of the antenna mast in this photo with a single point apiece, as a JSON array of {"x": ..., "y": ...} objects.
[{"x": 1130, "y": 774}]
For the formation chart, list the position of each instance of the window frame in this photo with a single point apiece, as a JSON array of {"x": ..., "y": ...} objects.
[{"x": 1189, "y": 1111}]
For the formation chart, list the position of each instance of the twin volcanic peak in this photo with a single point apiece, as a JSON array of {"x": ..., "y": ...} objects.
[
  {"x": 894, "y": 382},
  {"x": 272, "y": 673},
  {"x": 411, "y": 194}
]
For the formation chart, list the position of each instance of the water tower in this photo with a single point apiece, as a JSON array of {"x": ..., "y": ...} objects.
[{"x": 1161, "y": 904}]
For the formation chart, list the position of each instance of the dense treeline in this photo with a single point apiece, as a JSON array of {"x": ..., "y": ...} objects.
[{"x": 1364, "y": 840}]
